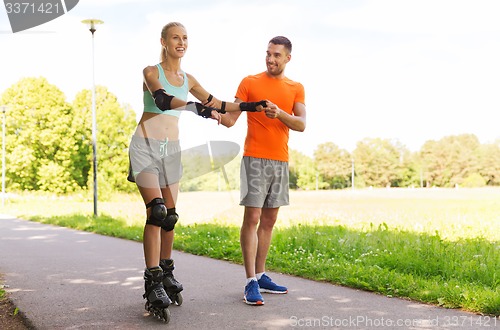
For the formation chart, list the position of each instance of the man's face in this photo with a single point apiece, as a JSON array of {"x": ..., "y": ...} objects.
[{"x": 276, "y": 59}]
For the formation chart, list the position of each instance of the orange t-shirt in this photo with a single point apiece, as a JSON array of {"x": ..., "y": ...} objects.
[{"x": 268, "y": 138}]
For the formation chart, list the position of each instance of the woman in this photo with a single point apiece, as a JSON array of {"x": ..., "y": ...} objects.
[{"x": 155, "y": 159}]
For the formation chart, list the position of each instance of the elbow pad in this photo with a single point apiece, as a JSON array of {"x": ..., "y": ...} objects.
[
  {"x": 251, "y": 106},
  {"x": 162, "y": 99}
]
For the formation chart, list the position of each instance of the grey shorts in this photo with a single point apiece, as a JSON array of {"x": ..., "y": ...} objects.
[
  {"x": 161, "y": 158},
  {"x": 264, "y": 183}
]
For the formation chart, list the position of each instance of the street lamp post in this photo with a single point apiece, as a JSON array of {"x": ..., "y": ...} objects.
[
  {"x": 4, "y": 109},
  {"x": 92, "y": 23},
  {"x": 352, "y": 173}
]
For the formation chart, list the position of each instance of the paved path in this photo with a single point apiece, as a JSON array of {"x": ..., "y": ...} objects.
[{"x": 66, "y": 279}]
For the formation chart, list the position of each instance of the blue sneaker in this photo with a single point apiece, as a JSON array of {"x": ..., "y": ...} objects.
[
  {"x": 266, "y": 284},
  {"x": 252, "y": 294}
]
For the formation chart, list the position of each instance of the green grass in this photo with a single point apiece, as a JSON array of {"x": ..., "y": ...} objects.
[
  {"x": 459, "y": 274},
  {"x": 439, "y": 247}
]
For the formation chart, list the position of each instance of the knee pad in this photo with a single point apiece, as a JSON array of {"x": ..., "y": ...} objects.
[
  {"x": 158, "y": 212},
  {"x": 171, "y": 220},
  {"x": 160, "y": 216}
]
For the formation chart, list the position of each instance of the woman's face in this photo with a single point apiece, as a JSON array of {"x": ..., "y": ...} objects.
[{"x": 176, "y": 42}]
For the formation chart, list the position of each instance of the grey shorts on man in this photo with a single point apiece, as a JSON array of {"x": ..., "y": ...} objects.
[{"x": 264, "y": 182}]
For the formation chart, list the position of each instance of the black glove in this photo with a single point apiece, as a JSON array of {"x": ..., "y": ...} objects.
[
  {"x": 162, "y": 99},
  {"x": 200, "y": 109},
  {"x": 251, "y": 106}
]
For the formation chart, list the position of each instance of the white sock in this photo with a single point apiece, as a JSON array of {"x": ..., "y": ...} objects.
[
  {"x": 259, "y": 275},
  {"x": 251, "y": 279}
]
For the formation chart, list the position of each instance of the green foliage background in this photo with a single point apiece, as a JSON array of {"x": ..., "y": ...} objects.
[
  {"x": 48, "y": 140},
  {"x": 48, "y": 147}
]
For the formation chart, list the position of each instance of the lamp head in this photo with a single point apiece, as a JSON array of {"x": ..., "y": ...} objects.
[{"x": 92, "y": 22}]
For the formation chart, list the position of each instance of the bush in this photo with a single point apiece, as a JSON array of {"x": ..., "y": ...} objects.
[{"x": 474, "y": 180}]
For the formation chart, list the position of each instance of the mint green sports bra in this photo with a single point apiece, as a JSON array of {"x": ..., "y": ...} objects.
[{"x": 179, "y": 92}]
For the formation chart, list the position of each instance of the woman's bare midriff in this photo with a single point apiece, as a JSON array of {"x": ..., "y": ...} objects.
[{"x": 158, "y": 127}]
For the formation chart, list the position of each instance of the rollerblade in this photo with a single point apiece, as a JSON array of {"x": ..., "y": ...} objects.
[
  {"x": 171, "y": 285},
  {"x": 157, "y": 300}
]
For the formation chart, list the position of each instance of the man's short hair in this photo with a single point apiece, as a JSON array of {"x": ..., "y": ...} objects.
[{"x": 280, "y": 40}]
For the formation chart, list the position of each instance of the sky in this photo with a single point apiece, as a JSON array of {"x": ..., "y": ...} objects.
[{"x": 409, "y": 71}]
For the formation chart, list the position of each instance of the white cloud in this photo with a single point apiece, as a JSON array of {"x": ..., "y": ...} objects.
[{"x": 420, "y": 17}]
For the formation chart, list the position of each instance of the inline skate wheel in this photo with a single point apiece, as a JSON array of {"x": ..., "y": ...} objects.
[
  {"x": 164, "y": 315},
  {"x": 178, "y": 299}
]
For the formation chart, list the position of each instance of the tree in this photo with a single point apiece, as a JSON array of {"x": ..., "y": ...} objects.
[
  {"x": 40, "y": 138},
  {"x": 334, "y": 164},
  {"x": 489, "y": 158},
  {"x": 378, "y": 162},
  {"x": 115, "y": 126},
  {"x": 449, "y": 161},
  {"x": 409, "y": 170},
  {"x": 303, "y": 172}
]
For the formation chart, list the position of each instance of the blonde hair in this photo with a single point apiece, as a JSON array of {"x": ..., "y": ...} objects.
[{"x": 163, "y": 54}]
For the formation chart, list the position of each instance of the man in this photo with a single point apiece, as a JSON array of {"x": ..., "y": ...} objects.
[{"x": 264, "y": 168}]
